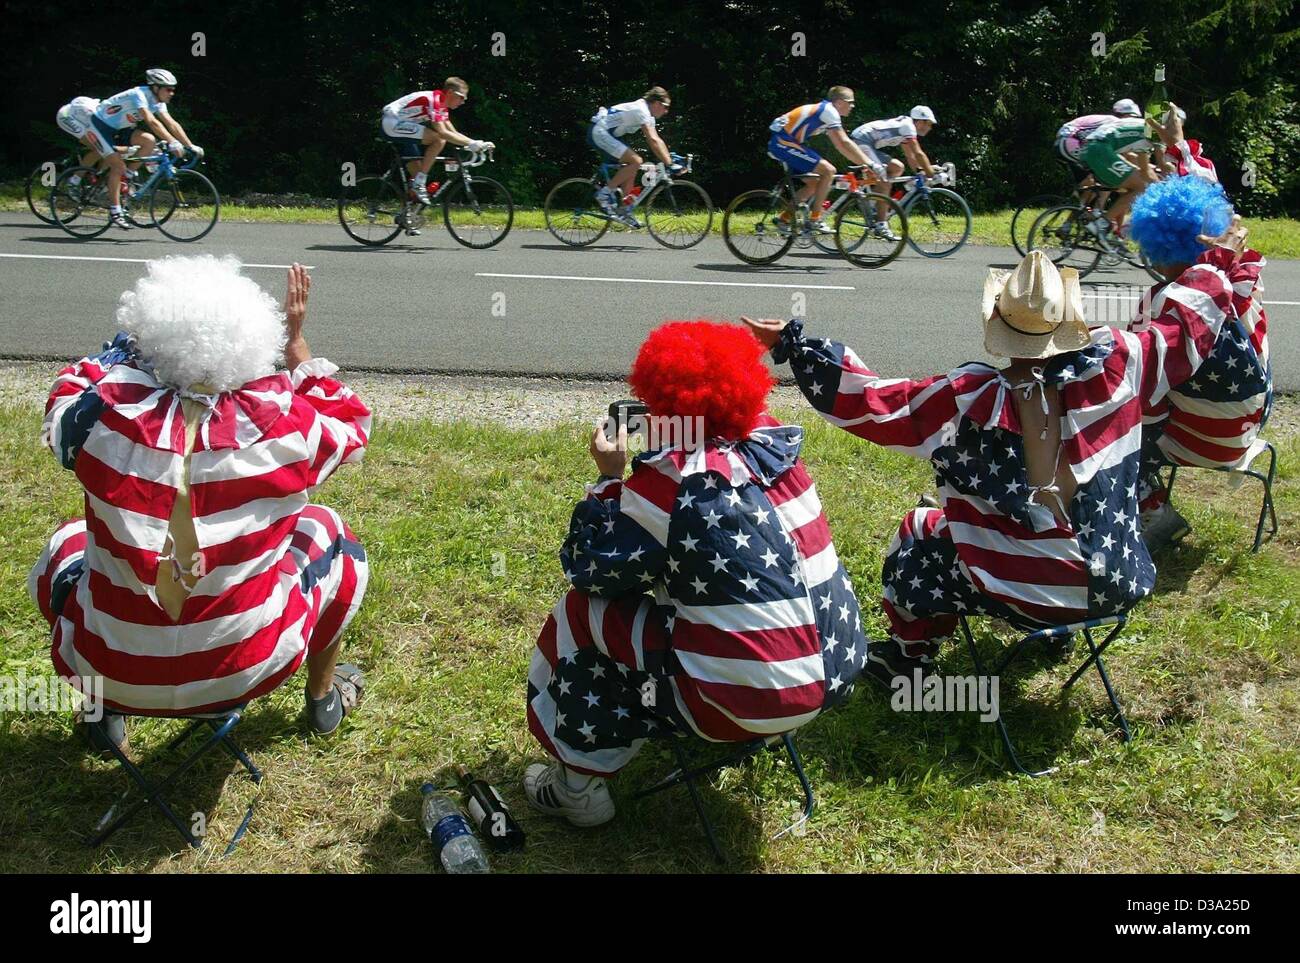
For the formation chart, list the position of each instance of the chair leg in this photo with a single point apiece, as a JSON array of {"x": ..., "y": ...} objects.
[
  {"x": 1096, "y": 658},
  {"x": 1266, "y": 510},
  {"x": 688, "y": 777},
  {"x": 1000, "y": 722},
  {"x": 809, "y": 802}
]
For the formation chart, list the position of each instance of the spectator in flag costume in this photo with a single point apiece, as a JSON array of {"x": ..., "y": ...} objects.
[
  {"x": 201, "y": 576},
  {"x": 1212, "y": 419},
  {"x": 707, "y": 598},
  {"x": 1037, "y": 463}
]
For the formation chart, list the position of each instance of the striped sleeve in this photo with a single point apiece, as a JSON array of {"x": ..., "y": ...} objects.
[
  {"x": 898, "y": 413},
  {"x": 618, "y": 534},
  {"x": 1186, "y": 319},
  {"x": 73, "y": 407},
  {"x": 338, "y": 423}
]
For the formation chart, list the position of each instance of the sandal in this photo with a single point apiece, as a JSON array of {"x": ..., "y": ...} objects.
[{"x": 325, "y": 714}]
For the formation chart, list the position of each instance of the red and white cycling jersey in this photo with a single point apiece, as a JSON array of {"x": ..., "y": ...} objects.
[{"x": 422, "y": 107}]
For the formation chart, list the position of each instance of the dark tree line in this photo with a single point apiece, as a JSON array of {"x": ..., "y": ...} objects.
[{"x": 287, "y": 91}]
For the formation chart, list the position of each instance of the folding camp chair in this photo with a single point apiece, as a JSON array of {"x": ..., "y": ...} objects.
[
  {"x": 1266, "y": 510},
  {"x": 1061, "y": 635},
  {"x": 220, "y": 723},
  {"x": 739, "y": 752}
]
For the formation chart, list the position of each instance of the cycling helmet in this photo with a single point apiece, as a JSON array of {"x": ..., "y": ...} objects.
[
  {"x": 1125, "y": 108},
  {"x": 159, "y": 77},
  {"x": 921, "y": 112}
]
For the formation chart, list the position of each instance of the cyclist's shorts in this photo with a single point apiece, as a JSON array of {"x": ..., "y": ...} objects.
[
  {"x": 1110, "y": 169},
  {"x": 73, "y": 120},
  {"x": 104, "y": 138},
  {"x": 877, "y": 161},
  {"x": 798, "y": 158},
  {"x": 1069, "y": 145},
  {"x": 405, "y": 135},
  {"x": 605, "y": 143}
]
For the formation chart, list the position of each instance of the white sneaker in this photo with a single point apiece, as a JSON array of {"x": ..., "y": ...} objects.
[
  {"x": 784, "y": 228},
  {"x": 547, "y": 791},
  {"x": 420, "y": 192},
  {"x": 881, "y": 229},
  {"x": 607, "y": 201},
  {"x": 819, "y": 226},
  {"x": 1163, "y": 526}
]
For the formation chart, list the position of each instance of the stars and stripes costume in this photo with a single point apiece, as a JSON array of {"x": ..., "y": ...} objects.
[
  {"x": 277, "y": 576},
  {"x": 707, "y": 597},
  {"x": 993, "y": 547},
  {"x": 1212, "y": 420}
]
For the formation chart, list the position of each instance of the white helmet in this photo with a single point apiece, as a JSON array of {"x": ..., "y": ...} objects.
[
  {"x": 1125, "y": 108},
  {"x": 922, "y": 112},
  {"x": 159, "y": 77}
]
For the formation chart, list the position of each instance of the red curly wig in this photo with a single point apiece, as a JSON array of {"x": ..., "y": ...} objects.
[{"x": 701, "y": 368}]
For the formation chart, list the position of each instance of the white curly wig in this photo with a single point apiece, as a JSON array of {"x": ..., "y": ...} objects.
[{"x": 199, "y": 321}]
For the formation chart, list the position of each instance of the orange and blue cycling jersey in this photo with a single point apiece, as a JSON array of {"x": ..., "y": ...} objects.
[{"x": 792, "y": 129}]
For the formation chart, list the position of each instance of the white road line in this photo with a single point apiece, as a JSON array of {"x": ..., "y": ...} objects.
[
  {"x": 721, "y": 284},
  {"x": 129, "y": 260}
]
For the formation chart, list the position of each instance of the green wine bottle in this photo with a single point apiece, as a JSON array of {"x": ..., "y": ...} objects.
[{"x": 1158, "y": 103}]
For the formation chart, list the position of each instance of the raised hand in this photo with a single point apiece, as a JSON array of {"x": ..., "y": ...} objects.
[
  {"x": 767, "y": 330},
  {"x": 297, "y": 285},
  {"x": 1234, "y": 238},
  {"x": 610, "y": 456}
]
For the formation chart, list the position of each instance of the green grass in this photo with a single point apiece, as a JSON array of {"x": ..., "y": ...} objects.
[
  {"x": 462, "y": 523},
  {"x": 1277, "y": 237}
]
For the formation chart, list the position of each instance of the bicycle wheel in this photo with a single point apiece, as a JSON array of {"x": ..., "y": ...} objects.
[
  {"x": 1061, "y": 234},
  {"x": 678, "y": 215},
  {"x": 185, "y": 208},
  {"x": 859, "y": 239},
  {"x": 1148, "y": 267},
  {"x": 38, "y": 192},
  {"x": 80, "y": 208},
  {"x": 573, "y": 215},
  {"x": 938, "y": 222},
  {"x": 1023, "y": 219},
  {"x": 372, "y": 211},
  {"x": 752, "y": 226},
  {"x": 478, "y": 212}
]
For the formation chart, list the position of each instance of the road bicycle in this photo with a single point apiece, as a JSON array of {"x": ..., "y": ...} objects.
[
  {"x": 678, "y": 213},
  {"x": 177, "y": 199},
  {"x": 760, "y": 226},
  {"x": 938, "y": 220},
  {"x": 1081, "y": 235},
  {"x": 41, "y": 181},
  {"x": 477, "y": 211}
]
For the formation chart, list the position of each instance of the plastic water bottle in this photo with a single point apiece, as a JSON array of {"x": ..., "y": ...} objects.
[{"x": 453, "y": 839}]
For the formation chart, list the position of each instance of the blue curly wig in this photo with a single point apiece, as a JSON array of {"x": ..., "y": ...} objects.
[{"x": 1169, "y": 215}]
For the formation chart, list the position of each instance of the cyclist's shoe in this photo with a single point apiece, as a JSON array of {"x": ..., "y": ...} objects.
[
  {"x": 628, "y": 218},
  {"x": 118, "y": 220},
  {"x": 881, "y": 229},
  {"x": 818, "y": 226},
  {"x": 1098, "y": 226},
  {"x": 420, "y": 194},
  {"x": 784, "y": 228},
  {"x": 608, "y": 201}
]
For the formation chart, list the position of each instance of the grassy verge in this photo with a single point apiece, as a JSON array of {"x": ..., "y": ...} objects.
[
  {"x": 462, "y": 523},
  {"x": 1277, "y": 237}
]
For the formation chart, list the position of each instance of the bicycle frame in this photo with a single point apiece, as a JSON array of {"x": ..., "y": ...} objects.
[
  {"x": 166, "y": 171},
  {"x": 606, "y": 169}
]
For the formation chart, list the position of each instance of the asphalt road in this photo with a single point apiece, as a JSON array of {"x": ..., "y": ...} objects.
[{"x": 533, "y": 306}]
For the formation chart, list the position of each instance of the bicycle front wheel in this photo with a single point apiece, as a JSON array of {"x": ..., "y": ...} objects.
[
  {"x": 79, "y": 202},
  {"x": 678, "y": 215},
  {"x": 864, "y": 237},
  {"x": 573, "y": 215},
  {"x": 1061, "y": 234},
  {"x": 759, "y": 226},
  {"x": 938, "y": 222},
  {"x": 185, "y": 208},
  {"x": 1023, "y": 219},
  {"x": 372, "y": 211},
  {"x": 38, "y": 191},
  {"x": 478, "y": 212}
]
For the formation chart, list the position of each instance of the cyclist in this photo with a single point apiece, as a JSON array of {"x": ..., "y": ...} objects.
[
  {"x": 115, "y": 123},
  {"x": 423, "y": 120},
  {"x": 1070, "y": 137},
  {"x": 73, "y": 119},
  {"x": 903, "y": 131},
  {"x": 1118, "y": 153},
  {"x": 608, "y": 124},
  {"x": 788, "y": 145}
]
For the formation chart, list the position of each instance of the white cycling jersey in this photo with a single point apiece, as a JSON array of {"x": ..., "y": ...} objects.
[
  {"x": 885, "y": 133},
  {"x": 127, "y": 108},
  {"x": 623, "y": 119}
]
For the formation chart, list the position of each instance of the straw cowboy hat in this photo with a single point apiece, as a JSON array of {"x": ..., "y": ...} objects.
[{"x": 1035, "y": 311}]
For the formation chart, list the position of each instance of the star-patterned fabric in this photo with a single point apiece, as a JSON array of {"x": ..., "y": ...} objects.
[
  {"x": 1211, "y": 420},
  {"x": 1011, "y": 550},
  {"x": 707, "y": 598}
]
